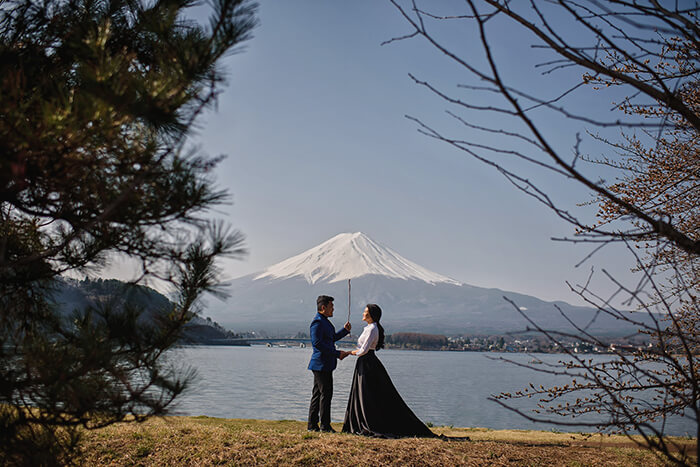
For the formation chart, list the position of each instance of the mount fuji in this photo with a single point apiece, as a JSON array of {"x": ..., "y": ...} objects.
[
  {"x": 349, "y": 256},
  {"x": 282, "y": 298}
]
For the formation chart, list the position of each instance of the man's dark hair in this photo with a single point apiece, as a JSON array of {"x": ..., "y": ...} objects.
[{"x": 323, "y": 300}]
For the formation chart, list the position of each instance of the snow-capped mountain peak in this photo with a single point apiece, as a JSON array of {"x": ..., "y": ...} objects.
[{"x": 347, "y": 256}]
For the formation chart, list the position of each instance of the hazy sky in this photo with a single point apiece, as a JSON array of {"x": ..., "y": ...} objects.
[{"x": 313, "y": 123}]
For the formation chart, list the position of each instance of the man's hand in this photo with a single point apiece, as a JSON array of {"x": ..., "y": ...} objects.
[
  {"x": 343, "y": 354},
  {"x": 348, "y": 326}
]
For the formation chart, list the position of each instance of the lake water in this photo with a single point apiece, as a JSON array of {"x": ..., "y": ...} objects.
[{"x": 444, "y": 388}]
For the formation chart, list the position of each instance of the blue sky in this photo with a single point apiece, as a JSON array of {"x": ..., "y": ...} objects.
[{"x": 313, "y": 123}]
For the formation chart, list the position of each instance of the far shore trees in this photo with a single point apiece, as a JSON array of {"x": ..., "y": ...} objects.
[
  {"x": 417, "y": 340},
  {"x": 644, "y": 57},
  {"x": 97, "y": 100}
]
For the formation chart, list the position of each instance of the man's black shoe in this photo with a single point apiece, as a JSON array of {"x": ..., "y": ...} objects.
[
  {"x": 312, "y": 428},
  {"x": 327, "y": 429}
]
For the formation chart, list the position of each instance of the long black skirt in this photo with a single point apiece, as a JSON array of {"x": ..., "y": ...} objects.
[{"x": 375, "y": 407}]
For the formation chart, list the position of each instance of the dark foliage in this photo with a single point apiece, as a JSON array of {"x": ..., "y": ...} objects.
[{"x": 96, "y": 102}]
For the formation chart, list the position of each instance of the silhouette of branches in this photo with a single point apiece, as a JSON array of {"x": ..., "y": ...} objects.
[{"x": 646, "y": 54}]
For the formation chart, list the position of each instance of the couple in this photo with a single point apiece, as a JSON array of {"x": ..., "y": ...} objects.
[{"x": 375, "y": 407}]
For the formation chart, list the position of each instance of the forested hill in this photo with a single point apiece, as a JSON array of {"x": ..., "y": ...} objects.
[{"x": 73, "y": 295}]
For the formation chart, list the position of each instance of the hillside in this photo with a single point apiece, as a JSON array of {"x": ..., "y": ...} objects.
[{"x": 74, "y": 296}]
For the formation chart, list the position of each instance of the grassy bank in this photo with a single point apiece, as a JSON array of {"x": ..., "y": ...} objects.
[{"x": 215, "y": 441}]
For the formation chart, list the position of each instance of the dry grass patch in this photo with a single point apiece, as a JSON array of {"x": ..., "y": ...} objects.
[
  {"x": 558, "y": 438},
  {"x": 200, "y": 441}
]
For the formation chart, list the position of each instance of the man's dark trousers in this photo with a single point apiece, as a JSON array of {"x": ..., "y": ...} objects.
[
  {"x": 321, "y": 399},
  {"x": 324, "y": 359}
]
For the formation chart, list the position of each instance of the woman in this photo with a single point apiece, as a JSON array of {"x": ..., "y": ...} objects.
[{"x": 375, "y": 407}]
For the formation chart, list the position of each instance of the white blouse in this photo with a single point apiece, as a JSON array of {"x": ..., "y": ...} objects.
[{"x": 368, "y": 339}]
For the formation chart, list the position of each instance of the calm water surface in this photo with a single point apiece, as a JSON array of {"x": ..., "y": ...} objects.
[{"x": 445, "y": 388}]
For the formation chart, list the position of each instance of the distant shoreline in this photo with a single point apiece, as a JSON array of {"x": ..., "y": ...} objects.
[
  {"x": 343, "y": 345},
  {"x": 505, "y": 343}
]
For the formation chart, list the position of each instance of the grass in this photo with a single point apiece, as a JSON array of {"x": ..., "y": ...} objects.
[{"x": 200, "y": 441}]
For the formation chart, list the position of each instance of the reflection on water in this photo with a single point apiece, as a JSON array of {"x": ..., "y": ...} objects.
[{"x": 445, "y": 388}]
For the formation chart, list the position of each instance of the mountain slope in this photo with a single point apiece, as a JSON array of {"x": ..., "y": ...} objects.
[
  {"x": 75, "y": 296},
  {"x": 281, "y": 299},
  {"x": 348, "y": 256}
]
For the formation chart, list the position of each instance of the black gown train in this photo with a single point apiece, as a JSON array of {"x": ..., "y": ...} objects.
[{"x": 375, "y": 407}]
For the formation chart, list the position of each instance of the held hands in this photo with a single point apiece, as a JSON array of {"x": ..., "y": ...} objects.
[{"x": 343, "y": 353}]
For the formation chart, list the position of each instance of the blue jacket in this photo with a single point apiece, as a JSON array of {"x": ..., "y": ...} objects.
[{"x": 323, "y": 336}]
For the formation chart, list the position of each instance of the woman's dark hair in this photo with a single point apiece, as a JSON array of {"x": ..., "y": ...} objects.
[{"x": 376, "y": 313}]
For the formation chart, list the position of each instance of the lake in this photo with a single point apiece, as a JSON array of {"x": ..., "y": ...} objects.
[{"x": 443, "y": 388}]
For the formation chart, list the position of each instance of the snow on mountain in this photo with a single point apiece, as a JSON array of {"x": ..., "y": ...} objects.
[
  {"x": 282, "y": 299},
  {"x": 349, "y": 256}
]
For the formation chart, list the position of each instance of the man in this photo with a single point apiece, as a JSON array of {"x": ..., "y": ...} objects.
[{"x": 323, "y": 362}]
